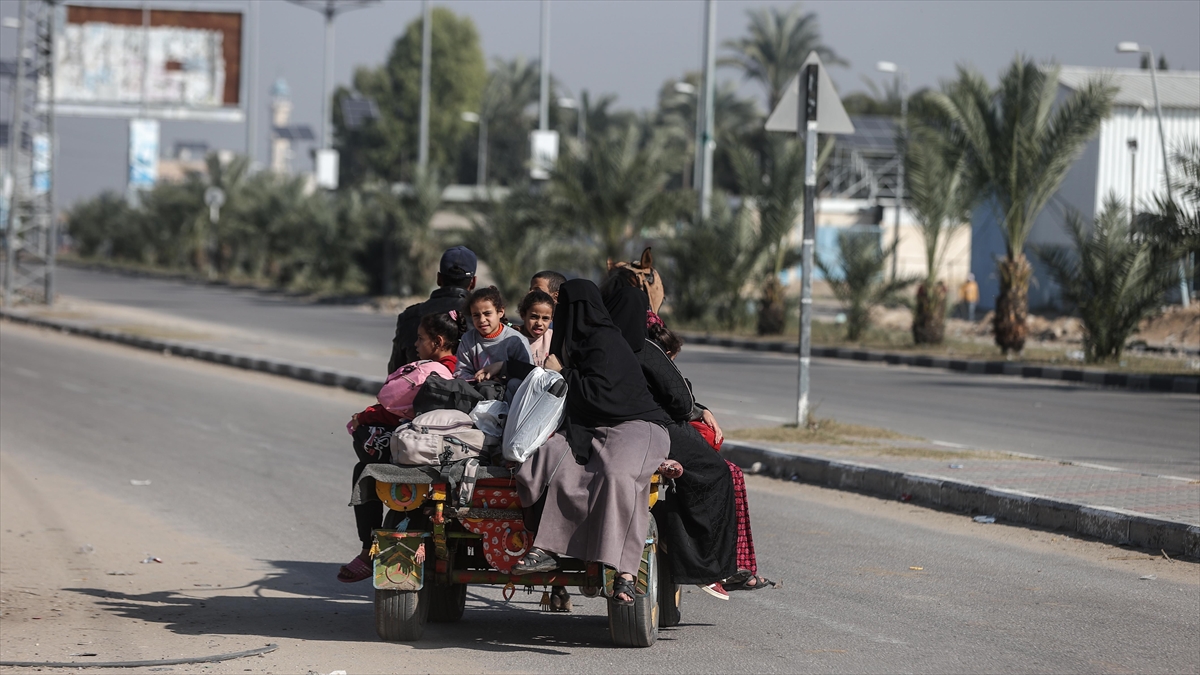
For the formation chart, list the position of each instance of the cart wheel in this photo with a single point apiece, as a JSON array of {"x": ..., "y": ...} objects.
[
  {"x": 637, "y": 625},
  {"x": 669, "y": 593},
  {"x": 446, "y": 603},
  {"x": 400, "y": 615}
]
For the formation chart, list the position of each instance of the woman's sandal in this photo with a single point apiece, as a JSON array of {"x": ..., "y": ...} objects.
[
  {"x": 740, "y": 582},
  {"x": 623, "y": 586},
  {"x": 536, "y": 560},
  {"x": 355, "y": 570}
]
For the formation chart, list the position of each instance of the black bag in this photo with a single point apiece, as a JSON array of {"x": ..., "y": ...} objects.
[
  {"x": 441, "y": 394},
  {"x": 490, "y": 390}
]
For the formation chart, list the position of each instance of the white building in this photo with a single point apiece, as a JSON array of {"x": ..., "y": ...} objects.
[{"x": 1105, "y": 166}]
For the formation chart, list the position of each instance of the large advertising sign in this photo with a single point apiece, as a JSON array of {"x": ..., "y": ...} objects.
[{"x": 129, "y": 61}]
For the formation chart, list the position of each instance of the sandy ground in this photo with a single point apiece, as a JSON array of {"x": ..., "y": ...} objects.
[{"x": 72, "y": 583}]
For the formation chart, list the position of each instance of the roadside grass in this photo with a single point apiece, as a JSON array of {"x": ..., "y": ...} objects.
[{"x": 819, "y": 432}]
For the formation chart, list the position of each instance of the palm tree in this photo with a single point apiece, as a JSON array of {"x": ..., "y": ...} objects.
[
  {"x": 778, "y": 43},
  {"x": 512, "y": 87},
  {"x": 733, "y": 118},
  {"x": 611, "y": 188},
  {"x": 776, "y": 192},
  {"x": 940, "y": 202},
  {"x": 710, "y": 263},
  {"x": 1019, "y": 144},
  {"x": 1110, "y": 277},
  {"x": 860, "y": 284},
  {"x": 1173, "y": 227}
]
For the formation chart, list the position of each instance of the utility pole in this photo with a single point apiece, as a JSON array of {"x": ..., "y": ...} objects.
[
  {"x": 14, "y": 136},
  {"x": 806, "y": 130},
  {"x": 426, "y": 56},
  {"x": 706, "y": 144},
  {"x": 1184, "y": 295},
  {"x": 252, "y": 85},
  {"x": 544, "y": 68}
]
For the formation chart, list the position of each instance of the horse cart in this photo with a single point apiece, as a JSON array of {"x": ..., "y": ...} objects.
[{"x": 477, "y": 539}]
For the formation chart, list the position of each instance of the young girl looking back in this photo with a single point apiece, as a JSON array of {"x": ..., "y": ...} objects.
[
  {"x": 489, "y": 340},
  {"x": 537, "y": 311}
]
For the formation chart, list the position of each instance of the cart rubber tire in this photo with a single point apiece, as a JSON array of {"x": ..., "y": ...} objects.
[
  {"x": 669, "y": 593},
  {"x": 400, "y": 615},
  {"x": 637, "y": 625},
  {"x": 446, "y": 603}
]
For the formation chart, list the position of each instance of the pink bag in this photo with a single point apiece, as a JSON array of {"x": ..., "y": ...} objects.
[{"x": 402, "y": 386}]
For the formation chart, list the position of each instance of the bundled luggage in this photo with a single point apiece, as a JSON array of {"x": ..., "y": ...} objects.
[{"x": 437, "y": 437}]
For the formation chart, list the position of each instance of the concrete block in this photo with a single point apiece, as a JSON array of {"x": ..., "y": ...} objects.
[{"x": 1103, "y": 524}]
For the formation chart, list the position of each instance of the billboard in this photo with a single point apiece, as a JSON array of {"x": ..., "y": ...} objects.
[{"x": 141, "y": 62}]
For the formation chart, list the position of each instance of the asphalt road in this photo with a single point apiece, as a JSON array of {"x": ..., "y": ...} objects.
[
  {"x": 1148, "y": 432},
  {"x": 261, "y": 465}
]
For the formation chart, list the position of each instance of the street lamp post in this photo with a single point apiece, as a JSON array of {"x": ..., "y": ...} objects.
[
  {"x": 889, "y": 67},
  {"x": 688, "y": 89},
  {"x": 706, "y": 144},
  {"x": 329, "y": 9},
  {"x": 1135, "y": 48}
]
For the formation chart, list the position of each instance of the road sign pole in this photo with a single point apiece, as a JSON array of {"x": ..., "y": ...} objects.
[{"x": 806, "y": 130}]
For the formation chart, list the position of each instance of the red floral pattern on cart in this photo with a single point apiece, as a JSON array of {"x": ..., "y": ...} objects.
[{"x": 504, "y": 541}]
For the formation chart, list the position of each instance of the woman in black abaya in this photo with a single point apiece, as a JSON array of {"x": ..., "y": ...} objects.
[{"x": 698, "y": 522}]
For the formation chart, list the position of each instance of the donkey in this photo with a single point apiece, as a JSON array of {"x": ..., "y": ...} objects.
[{"x": 641, "y": 273}]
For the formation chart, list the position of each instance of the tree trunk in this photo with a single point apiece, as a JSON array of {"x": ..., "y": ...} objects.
[
  {"x": 929, "y": 320},
  {"x": 1012, "y": 305},
  {"x": 772, "y": 309}
]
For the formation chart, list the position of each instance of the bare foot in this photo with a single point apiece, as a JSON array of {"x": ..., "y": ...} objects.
[{"x": 670, "y": 469}]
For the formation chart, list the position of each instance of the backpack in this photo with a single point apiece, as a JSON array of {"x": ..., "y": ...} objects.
[
  {"x": 436, "y": 438},
  {"x": 402, "y": 386},
  {"x": 438, "y": 393},
  {"x": 537, "y": 410}
]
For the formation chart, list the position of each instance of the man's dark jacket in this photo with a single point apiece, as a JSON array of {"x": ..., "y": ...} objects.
[{"x": 404, "y": 345}]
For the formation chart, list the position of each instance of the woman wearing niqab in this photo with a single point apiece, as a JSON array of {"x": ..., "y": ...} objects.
[
  {"x": 698, "y": 523},
  {"x": 593, "y": 480}
]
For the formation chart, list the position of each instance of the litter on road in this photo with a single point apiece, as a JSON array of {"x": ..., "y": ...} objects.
[{"x": 984, "y": 519}]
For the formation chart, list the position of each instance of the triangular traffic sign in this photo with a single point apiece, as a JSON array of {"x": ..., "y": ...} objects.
[{"x": 831, "y": 116}]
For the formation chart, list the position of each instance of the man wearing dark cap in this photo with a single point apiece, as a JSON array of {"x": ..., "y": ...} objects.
[{"x": 456, "y": 276}]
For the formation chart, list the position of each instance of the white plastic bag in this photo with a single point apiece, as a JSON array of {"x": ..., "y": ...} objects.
[
  {"x": 489, "y": 417},
  {"x": 537, "y": 410}
]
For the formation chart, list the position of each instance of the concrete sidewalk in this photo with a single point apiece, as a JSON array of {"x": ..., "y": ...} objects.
[{"x": 1124, "y": 507}]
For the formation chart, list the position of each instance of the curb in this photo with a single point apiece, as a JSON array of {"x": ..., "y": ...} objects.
[
  {"x": 1108, "y": 524},
  {"x": 296, "y": 371},
  {"x": 1178, "y": 384}
]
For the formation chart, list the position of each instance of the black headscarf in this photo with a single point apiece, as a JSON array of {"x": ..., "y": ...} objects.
[
  {"x": 627, "y": 306},
  {"x": 605, "y": 385}
]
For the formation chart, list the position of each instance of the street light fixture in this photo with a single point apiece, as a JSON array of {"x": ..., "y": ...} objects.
[
  {"x": 1135, "y": 48},
  {"x": 889, "y": 67}
]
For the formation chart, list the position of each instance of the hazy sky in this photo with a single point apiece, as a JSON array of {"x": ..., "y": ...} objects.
[{"x": 630, "y": 48}]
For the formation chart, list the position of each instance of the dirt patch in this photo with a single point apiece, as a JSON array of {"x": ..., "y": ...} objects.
[{"x": 1175, "y": 327}]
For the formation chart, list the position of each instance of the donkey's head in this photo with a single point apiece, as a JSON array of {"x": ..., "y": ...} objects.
[{"x": 641, "y": 273}]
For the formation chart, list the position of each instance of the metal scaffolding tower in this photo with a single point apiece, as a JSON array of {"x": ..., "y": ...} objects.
[{"x": 30, "y": 234}]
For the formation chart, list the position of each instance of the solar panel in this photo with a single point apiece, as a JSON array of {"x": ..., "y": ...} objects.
[{"x": 357, "y": 111}]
